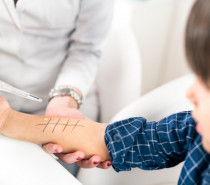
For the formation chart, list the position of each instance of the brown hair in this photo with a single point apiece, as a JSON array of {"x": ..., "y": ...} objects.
[{"x": 197, "y": 40}]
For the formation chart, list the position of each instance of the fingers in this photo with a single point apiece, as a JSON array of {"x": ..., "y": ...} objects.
[
  {"x": 70, "y": 157},
  {"x": 76, "y": 157},
  {"x": 90, "y": 163},
  {"x": 105, "y": 165},
  {"x": 66, "y": 158},
  {"x": 94, "y": 161},
  {"x": 52, "y": 148}
]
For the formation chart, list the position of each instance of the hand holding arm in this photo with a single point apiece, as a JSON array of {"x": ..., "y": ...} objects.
[
  {"x": 65, "y": 106},
  {"x": 71, "y": 134}
]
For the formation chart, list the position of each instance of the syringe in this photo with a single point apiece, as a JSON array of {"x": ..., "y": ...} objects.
[{"x": 10, "y": 89}]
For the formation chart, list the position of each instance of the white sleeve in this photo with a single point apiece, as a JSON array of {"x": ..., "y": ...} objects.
[{"x": 80, "y": 67}]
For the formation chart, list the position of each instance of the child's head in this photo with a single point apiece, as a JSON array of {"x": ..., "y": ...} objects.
[
  {"x": 198, "y": 55},
  {"x": 198, "y": 40}
]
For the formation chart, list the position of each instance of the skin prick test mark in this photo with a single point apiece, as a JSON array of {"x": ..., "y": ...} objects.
[
  {"x": 46, "y": 124},
  {"x": 75, "y": 125},
  {"x": 66, "y": 125},
  {"x": 59, "y": 122},
  {"x": 72, "y": 125},
  {"x": 55, "y": 125}
]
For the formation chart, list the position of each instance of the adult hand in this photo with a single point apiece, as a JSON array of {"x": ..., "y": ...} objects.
[{"x": 66, "y": 106}]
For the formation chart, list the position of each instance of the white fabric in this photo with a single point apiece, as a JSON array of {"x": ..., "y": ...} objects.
[
  {"x": 23, "y": 163},
  {"x": 163, "y": 101},
  {"x": 119, "y": 77},
  {"x": 48, "y": 42}
]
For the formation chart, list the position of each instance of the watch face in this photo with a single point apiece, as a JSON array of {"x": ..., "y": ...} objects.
[{"x": 65, "y": 91}]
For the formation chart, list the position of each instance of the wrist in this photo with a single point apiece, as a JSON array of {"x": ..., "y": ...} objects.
[
  {"x": 74, "y": 94},
  {"x": 100, "y": 147},
  {"x": 105, "y": 151},
  {"x": 63, "y": 101}
]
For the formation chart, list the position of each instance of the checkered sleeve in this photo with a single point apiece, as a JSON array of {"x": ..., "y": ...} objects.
[{"x": 134, "y": 142}]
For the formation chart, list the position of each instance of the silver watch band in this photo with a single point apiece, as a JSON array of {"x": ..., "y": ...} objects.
[{"x": 63, "y": 91}]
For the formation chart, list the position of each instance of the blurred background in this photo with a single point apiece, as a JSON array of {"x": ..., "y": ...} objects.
[
  {"x": 159, "y": 27},
  {"x": 144, "y": 50}
]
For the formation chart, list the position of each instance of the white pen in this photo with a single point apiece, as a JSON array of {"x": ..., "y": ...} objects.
[{"x": 10, "y": 89}]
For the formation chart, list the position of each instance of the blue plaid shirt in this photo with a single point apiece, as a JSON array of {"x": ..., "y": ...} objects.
[{"x": 134, "y": 142}]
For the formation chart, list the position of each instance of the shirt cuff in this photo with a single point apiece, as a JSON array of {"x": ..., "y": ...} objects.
[{"x": 119, "y": 139}]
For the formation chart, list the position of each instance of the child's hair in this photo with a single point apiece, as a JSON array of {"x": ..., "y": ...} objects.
[{"x": 197, "y": 40}]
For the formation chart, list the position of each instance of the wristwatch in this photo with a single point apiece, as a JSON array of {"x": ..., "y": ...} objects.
[{"x": 66, "y": 91}]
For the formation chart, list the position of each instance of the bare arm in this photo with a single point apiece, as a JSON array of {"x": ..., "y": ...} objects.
[{"x": 71, "y": 134}]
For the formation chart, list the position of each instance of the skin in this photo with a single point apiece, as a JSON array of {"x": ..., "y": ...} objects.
[
  {"x": 199, "y": 95},
  {"x": 66, "y": 106},
  {"x": 72, "y": 134}
]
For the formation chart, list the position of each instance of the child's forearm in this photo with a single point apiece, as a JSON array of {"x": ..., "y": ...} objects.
[{"x": 71, "y": 134}]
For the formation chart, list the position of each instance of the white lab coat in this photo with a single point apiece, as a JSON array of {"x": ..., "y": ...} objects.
[{"x": 47, "y": 43}]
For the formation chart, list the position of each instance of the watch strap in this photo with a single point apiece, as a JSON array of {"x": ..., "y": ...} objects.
[{"x": 66, "y": 91}]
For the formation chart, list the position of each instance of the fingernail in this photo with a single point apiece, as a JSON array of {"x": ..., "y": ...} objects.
[
  {"x": 95, "y": 162},
  {"x": 58, "y": 151},
  {"x": 109, "y": 164},
  {"x": 54, "y": 149}
]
